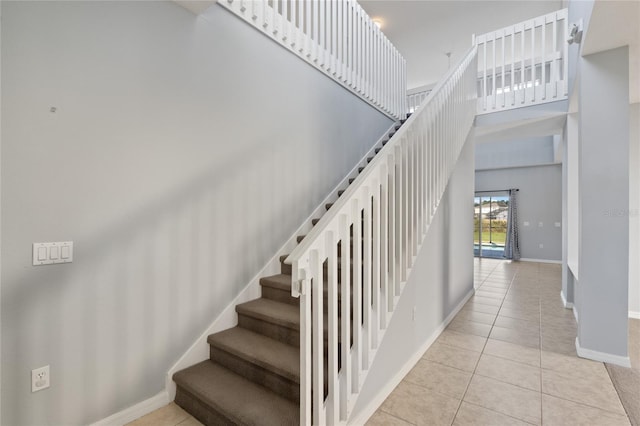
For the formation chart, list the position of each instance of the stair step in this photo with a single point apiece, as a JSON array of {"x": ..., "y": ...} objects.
[
  {"x": 360, "y": 169},
  {"x": 377, "y": 150},
  {"x": 398, "y": 126},
  {"x": 278, "y": 287},
  {"x": 215, "y": 395},
  {"x": 341, "y": 192},
  {"x": 384, "y": 142},
  {"x": 351, "y": 180},
  {"x": 315, "y": 221},
  {"x": 328, "y": 205},
  {"x": 370, "y": 158},
  {"x": 258, "y": 358},
  {"x": 280, "y": 321}
]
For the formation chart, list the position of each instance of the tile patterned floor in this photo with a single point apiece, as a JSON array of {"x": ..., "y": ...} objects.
[{"x": 508, "y": 358}]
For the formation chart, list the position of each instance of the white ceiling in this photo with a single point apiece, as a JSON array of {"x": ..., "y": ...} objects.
[{"x": 424, "y": 31}]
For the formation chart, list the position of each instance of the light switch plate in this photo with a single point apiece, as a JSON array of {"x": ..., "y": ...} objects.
[{"x": 52, "y": 253}]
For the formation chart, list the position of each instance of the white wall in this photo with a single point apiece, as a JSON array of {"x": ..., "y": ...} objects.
[
  {"x": 441, "y": 278},
  {"x": 182, "y": 154},
  {"x": 539, "y": 201}
]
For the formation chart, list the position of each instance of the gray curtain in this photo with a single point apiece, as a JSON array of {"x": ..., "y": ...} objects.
[{"x": 512, "y": 247}]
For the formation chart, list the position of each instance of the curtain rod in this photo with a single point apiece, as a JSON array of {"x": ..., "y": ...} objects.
[{"x": 498, "y": 190}]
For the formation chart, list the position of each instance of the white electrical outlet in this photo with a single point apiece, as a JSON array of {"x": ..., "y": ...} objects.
[{"x": 40, "y": 379}]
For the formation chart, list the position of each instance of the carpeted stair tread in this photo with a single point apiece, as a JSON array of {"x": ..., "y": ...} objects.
[
  {"x": 236, "y": 398},
  {"x": 265, "y": 352},
  {"x": 271, "y": 311}
]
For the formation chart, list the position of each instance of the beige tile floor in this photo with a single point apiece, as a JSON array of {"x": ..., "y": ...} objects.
[{"x": 508, "y": 358}]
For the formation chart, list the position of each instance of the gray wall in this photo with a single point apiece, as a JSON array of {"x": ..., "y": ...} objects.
[
  {"x": 183, "y": 153},
  {"x": 603, "y": 284},
  {"x": 441, "y": 277},
  {"x": 539, "y": 200},
  {"x": 634, "y": 209},
  {"x": 515, "y": 153}
]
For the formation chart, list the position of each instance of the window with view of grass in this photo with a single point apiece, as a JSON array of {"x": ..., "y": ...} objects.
[{"x": 491, "y": 211}]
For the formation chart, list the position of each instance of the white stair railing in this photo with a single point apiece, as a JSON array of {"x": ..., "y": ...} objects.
[
  {"x": 386, "y": 213},
  {"x": 339, "y": 39},
  {"x": 414, "y": 100},
  {"x": 523, "y": 64}
]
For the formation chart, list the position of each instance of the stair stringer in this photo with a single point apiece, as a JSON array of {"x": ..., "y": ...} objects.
[{"x": 199, "y": 350}]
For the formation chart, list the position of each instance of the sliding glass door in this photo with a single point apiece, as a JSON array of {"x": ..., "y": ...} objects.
[{"x": 491, "y": 211}]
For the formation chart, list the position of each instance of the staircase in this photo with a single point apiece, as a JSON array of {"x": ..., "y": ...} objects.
[{"x": 253, "y": 374}]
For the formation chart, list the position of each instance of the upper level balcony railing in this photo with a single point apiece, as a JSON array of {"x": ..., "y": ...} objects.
[{"x": 523, "y": 64}]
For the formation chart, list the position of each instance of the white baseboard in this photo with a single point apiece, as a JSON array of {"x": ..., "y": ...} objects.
[
  {"x": 567, "y": 305},
  {"x": 527, "y": 259},
  {"x": 634, "y": 314},
  {"x": 575, "y": 313},
  {"x": 132, "y": 413},
  {"x": 622, "y": 361},
  {"x": 385, "y": 391},
  {"x": 199, "y": 350}
]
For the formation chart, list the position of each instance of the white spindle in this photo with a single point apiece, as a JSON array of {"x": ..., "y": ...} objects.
[
  {"x": 493, "y": 72},
  {"x": 533, "y": 62},
  {"x": 544, "y": 59},
  {"x": 275, "y": 15},
  {"x": 384, "y": 244},
  {"x": 392, "y": 168},
  {"x": 522, "y": 66},
  {"x": 513, "y": 62},
  {"x": 356, "y": 360},
  {"x": 399, "y": 214},
  {"x": 322, "y": 41},
  {"x": 308, "y": 30},
  {"x": 265, "y": 8},
  {"x": 318, "y": 338},
  {"x": 565, "y": 55},
  {"x": 345, "y": 291},
  {"x": 375, "y": 264},
  {"x": 366, "y": 275},
  {"x": 503, "y": 83},
  {"x": 334, "y": 36},
  {"x": 333, "y": 402},
  {"x": 485, "y": 95},
  {"x": 554, "y": 77}
]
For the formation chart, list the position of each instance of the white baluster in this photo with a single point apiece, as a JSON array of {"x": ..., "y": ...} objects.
[
  {"x": 513, "y": 61},
  {"x": 503, "y": 83},
  {"x": 375, "y": 264},
  {"x": 345, "y": 292},
  {"x": 318, "y": 338},
  {"x": 565, "y": 55},
  {"x": 533, "y": 61},
  {"x": 356, "y": 351},
  {"x": 384, "y": 244},
  {"x": 366, "y": 276},
  {"x": 391, "y": 165},
  {"x": 333, "y": 401}
]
